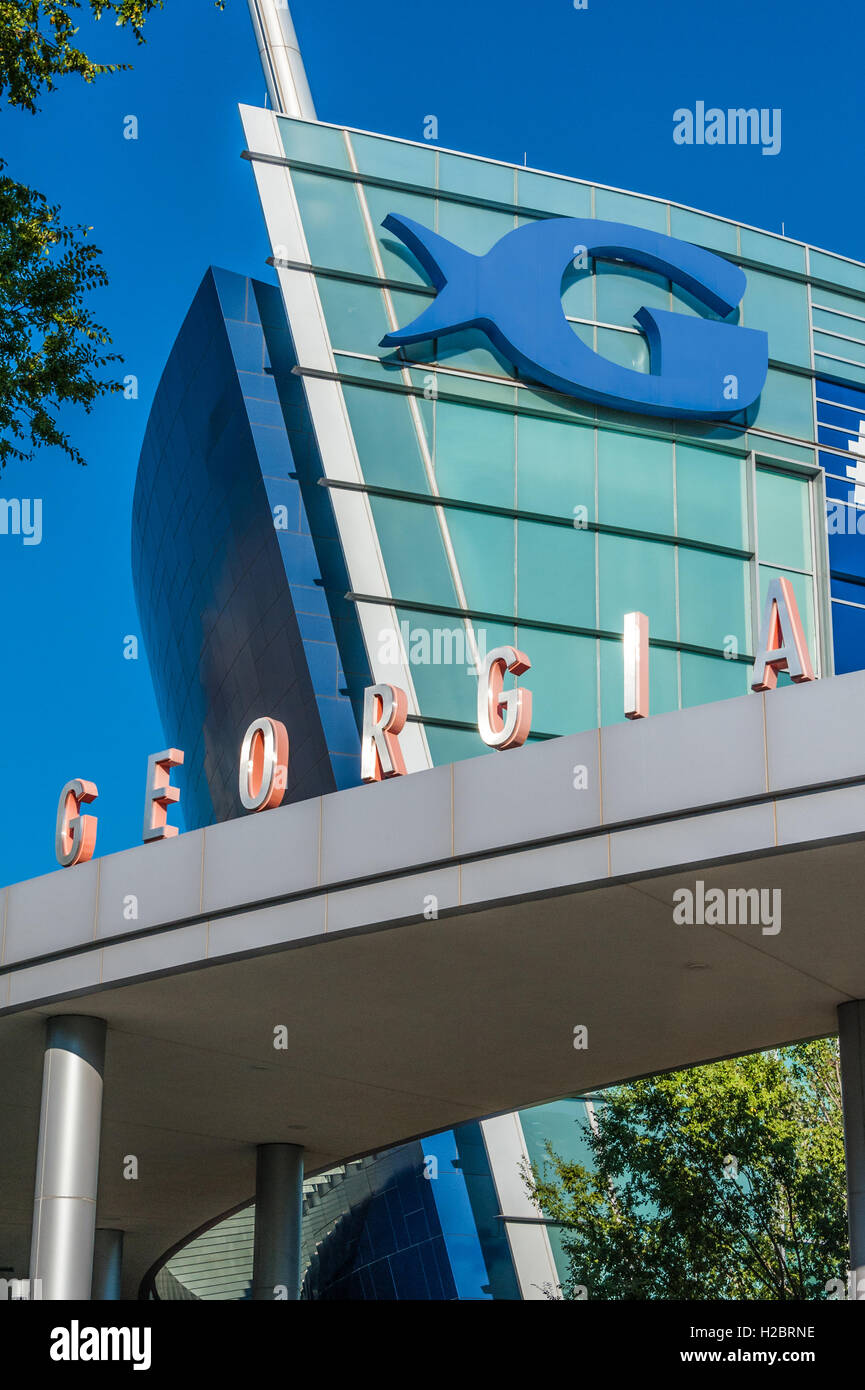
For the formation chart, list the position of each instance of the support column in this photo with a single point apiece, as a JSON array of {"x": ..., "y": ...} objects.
[
  {"x": 851, "y": 1036},
  {"x": 67, "y": 1164},
  {"x": 107, "y": 1265},
  {"x": 278, "y": 1210}
]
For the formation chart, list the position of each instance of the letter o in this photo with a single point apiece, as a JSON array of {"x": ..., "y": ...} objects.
[{"x": 263, "y": 765}]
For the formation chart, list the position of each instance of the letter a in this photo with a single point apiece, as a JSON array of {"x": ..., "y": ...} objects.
[{"x": 782, "y": 645}]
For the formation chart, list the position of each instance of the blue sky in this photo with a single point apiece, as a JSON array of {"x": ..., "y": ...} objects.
[{"x": 585, "y": 92}]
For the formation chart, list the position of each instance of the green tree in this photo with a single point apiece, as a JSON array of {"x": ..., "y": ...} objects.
[
  {"x": 722, "y": 1181},
  {"x": 52, "y": 352}
]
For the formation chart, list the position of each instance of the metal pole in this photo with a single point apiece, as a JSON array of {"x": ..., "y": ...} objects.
[
  {"x": 107, "y": 1265},
  {"x": 278, "y": 1212},
  {"x": 851, "y": 1036},
  {"x": 280, "y": 57},
  {"x": 67, "y": 1163}
]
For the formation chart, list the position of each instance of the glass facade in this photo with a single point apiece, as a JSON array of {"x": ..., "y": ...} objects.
[{"x": 502, "y": 512}]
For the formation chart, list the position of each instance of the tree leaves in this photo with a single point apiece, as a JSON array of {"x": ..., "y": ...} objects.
[{"x": 723, "y": 1181}]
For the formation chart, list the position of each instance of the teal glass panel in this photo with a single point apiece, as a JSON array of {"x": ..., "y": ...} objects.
[
  {"x": 474, "y": 229},
  {"x": 663, "y": 681},
  {"x": 562, "y": 197},
  {"x": 556, "y": 574},
  {"x": 397, "y": 261},
  {"x": 772, "y": 250},
  {"x": 441, "y": 660},
  {"x": 842, "y": 324},
  {"x": 475, "y": 453},
  {"x": 637, "y": 576},
  {"x": 333, "y": 223},
  {"x": 355, "y": 314},
  {"x": 706, "y": 679},
  {"x": 704, "y": 231},
  {"x": 786, "y": 405},
  {"x": 471, "y": 351},
  {"x": 407, "y": 305},
  {"x": 413, "y": 551},
  {"x": 563, "y": 680},
  {"x": 485, "y": 549},
  {"x": 453, "y": 745},
  {"x": 837, "y": 271},
  {"x": 781, "y": 449},
  {"x": 842, "y": 303},
  {"x": 828, "y": 367},
  {"x": 476, "y": 178},
  {"x": 780, "y": 308},
  {"x": 386, "y": 438},
  {"x": 635, "y": 482},
  {"x": 711, "y": 497},
  {"x": 783, "y": 519},
  {"x": 831, "y": 346},
  {"x": 391, "y": 159},
  {"x": 624, "y": 207},
  {"x": 622, "y": 290},
  {"x": 803, "y": 588},
  {"x": 627, "y": 349},
  {"x": 313, "y": 143},
  {"x": 578, "y": 293},
  {"x": 555, "y": 468},
  {"x": 714, "y": 600}
]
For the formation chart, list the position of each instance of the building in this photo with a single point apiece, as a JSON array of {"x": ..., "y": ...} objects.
[
  {"x": 321, "y": 507},
  {"x": 340, "y": 511}
]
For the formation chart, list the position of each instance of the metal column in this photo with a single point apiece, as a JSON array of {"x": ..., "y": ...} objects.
[
  {"x": 280, "y": 57},
  {"x": 278, "y": 1210},
  {"x": 851, "y": 1035},
  {"x": 107, "y": 1265},
  {"x": 67, "y": 1164}
]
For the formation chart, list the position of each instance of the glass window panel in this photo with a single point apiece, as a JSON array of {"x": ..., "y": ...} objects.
[
  {"x": 780, "y": 308},
  {"x": 839, "y": 323},
  {"x": 413, "y": 551},
  {"x": 624, "y": 207},
  {"x": 704, "y": 231},
  {"x": 578, "y": 293},
  {"x": 386, "y": 438},
  {"x": 441, "y": 662},
  {"x": 555, "y": 467},
  {"x": 391, "y": 159},
  {"x": 837, "y": 271},
  {"x": 843, "y": 303},
  {"x": 711, "y": 496},
  {"x": 783, "y": 519},
  {"x": 556, "y": 574},
  {"x": 472, "y": 351},
  {"x": 563, "y": 680},
  {"x": 708, "y": 678},
  {"x": 397, "y": 261},
  {"x": 637, "y": 576},
  {"x": 827, "y": 364},
  {"x": 714, "y": 600},
  {"x": 635, "y": 482},
  {"x": 786, "y": 405},
  {"x": 476, "y": 177},
  {"x": 622, "y": 290},
  {"x": 313, "y": 143},
  {"x": 848, "y": 635},
  {"x": 626, "y": 349},
  {"x": 333, "y": 223},
  {"x": 474, "y": 229},
  {"x": 828, "y": 344},
  {"x": 485, "y": 552},
  {"x": 561, "y": 196},
  {"x": 355, "y": 314},
  {"x": 772, "y": 250},
  {"x": 475, "y": 453},
  {"x": 453, "y": 745}
]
